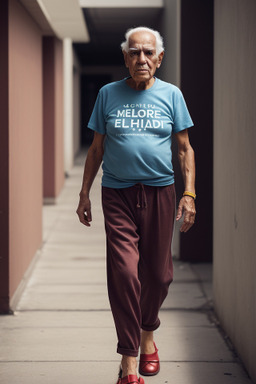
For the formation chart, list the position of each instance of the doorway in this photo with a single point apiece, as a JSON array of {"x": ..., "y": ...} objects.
[{"x": 90, "y": 86}]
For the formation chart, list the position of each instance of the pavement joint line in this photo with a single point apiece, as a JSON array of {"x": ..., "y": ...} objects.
[
  {"x": 61, "y": 310},
  {"x": 33, "y": 285},
  {"x": 118, "y": 361},
  {"x": 100, "y": 327},
  {"x": 176, "y": 309},
  {"x": 187, "y": 310},
  {"x": 43, "y": 284},
  {"x": 203, "y": 309},
  {"x": 65, "y": 285}
]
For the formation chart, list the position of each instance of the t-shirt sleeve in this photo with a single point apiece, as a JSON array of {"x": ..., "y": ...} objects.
[
  {"x": 182, "y": 119},
  {"x": 97, "y": 119}
]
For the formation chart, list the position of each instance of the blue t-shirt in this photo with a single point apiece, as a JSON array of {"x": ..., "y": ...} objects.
[{"x": 138, "y": 126}]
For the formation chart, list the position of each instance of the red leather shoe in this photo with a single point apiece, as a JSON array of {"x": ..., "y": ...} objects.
[
  {"x": 130, "y": 379},
  {"x": 149, "y": 363}
]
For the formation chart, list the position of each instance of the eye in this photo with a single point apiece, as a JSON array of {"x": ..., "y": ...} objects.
[
  {"x": 134, "y": 53},
  {"x": 149, "y": 53}
]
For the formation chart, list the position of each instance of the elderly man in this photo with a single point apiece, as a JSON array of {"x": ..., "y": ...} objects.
[{"x": 133, "y": 122}]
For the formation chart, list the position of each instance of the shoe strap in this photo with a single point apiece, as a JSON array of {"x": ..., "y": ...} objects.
[
  {"x": 152, "y": 357},
  {"x": 149, "y": 357},
  {"x": 130, "y": 379}
]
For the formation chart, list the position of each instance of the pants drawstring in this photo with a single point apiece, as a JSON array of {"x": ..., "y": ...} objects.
[{"x": 141, "y": 197}]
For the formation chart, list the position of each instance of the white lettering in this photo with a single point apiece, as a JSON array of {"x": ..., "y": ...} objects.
[
  {"x": 123, "y": 124},
  {"x": 120, "y": 113},
  {"x": 148, "y": 124},
  {"x": 118, "y": 123},
  {"x": 156, "y": 123},
  {"x": 142, "y": 113},
  {"x": 135, "y": 123}
]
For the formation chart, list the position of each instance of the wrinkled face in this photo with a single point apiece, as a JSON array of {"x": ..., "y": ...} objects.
[{"x": 142, "y": 59}]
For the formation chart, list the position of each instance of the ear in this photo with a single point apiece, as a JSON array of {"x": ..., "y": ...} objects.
[
  {"x": 160, "y": 58},
  {"x": 125, "y": 59}
]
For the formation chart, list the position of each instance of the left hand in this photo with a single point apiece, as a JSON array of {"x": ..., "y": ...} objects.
[{"x": 186, "y": 206}]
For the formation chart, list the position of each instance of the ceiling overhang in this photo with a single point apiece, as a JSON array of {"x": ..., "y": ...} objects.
[
  {"x": 64, "y": 18},
  {"x": 121, "y": 3}
]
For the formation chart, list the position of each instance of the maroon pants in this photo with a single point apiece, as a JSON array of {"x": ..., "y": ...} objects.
[{"x": 139, "y": 227}]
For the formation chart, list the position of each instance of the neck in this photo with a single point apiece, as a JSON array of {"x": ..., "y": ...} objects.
[{"x": 140, "y": 85}]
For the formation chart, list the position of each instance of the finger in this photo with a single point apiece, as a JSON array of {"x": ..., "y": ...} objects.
[
  {"x": 87, "y": 218},
  {"x": 179, "y": 213},
  {"x": 187, "y": 223},
  {"x": 86, "y": 221},
  {"x": 83, "y": 218},
  {"x": 89, "y": 215},
  {"x": 184, "y": 227}
]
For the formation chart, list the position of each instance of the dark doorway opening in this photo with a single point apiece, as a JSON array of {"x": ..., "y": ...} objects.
[{"x": 90, "y": 86}]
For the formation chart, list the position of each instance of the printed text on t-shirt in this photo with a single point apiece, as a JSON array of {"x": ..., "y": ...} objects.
[{"x": 138, "y": 118}]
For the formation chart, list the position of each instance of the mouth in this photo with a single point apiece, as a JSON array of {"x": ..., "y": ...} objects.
[{"x": 142, "y": 70}]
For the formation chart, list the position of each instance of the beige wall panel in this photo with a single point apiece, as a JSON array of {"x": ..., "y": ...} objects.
[
  {"x": 25, "y": 145},
  {"x": 234, "y": 174}
]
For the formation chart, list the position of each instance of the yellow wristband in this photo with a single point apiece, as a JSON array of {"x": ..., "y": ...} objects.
[{"x": 187, "y": 193}]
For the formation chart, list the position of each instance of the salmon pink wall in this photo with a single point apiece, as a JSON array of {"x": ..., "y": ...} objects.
[
  {"x": 4, "y": 160},
  {"x": 25, "y": 141}
]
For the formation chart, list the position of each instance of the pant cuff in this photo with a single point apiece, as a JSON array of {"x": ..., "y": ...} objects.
[
  {"x": 127, "y": 352},
  {"x": 150, "y": 328}
]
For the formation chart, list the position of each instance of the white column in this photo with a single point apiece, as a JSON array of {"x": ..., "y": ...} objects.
[{"x": 68, "y": 104}]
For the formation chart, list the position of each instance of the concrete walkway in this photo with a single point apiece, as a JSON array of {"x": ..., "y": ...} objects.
[{"x": 63, "y": 331}]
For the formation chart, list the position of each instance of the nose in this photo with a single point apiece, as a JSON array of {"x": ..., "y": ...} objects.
[{"x": 142, "y": 58}]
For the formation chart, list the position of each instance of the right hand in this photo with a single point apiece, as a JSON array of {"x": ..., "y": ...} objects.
[
  {"x": 186, "y": 207},
  {"x": 84, "y": 210}
]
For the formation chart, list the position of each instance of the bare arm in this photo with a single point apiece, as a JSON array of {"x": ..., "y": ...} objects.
[
  {"x": 92, "y": 164},
  {"x": 187, "y": 164}
]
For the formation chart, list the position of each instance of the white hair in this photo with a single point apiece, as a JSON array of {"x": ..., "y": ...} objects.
[{"x": 129, "y": 32}]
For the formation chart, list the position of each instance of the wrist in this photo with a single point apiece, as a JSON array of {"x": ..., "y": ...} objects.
[
  {"x": 190, "y": 194},
  {"x": 84, "y": 193}
]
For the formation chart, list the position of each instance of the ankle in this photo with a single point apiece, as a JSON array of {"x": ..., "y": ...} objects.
[
  {"x": 129, "y": 366},
  {"x": 147, "y": 342}
]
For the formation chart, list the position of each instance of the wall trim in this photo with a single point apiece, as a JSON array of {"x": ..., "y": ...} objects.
[
  {"x": 14, "y": 301},
  {"x": 49, "y": 200}
]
